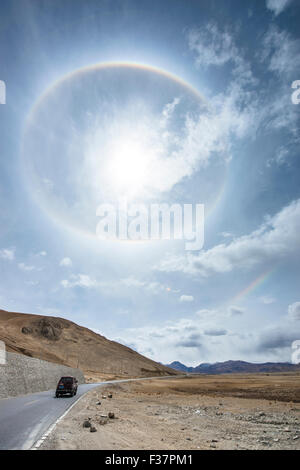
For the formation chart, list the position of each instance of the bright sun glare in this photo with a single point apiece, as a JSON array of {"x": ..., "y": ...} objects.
[{"x": 128, "y": 166}]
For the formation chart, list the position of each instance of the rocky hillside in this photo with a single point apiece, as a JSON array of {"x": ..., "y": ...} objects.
[{"x": 64, "y": 342}]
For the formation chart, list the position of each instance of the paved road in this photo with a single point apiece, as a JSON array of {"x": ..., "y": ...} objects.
[{"x": 24, "y": 419}]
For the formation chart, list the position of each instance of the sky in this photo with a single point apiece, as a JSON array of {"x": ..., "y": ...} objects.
[{"x": 149, "y": 102}]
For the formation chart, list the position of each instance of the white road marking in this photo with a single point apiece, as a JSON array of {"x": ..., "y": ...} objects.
[
  {"x": 51, "y": 428},
  {"x": 49, "y": 431}
]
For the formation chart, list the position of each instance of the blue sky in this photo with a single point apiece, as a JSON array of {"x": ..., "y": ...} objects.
[{"x": 196, "y": 109}]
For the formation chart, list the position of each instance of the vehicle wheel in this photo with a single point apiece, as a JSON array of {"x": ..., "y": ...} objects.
[{"x": 56, "y": 395}]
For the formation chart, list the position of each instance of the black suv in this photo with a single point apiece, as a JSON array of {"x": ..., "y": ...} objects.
[{"x": 66, "y": 385}]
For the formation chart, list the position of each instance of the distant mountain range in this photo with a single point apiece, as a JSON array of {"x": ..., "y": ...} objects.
[{"x": 230, "y": 367}]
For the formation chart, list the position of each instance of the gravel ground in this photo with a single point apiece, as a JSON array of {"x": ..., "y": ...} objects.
[{"x": 153, "y": 416}]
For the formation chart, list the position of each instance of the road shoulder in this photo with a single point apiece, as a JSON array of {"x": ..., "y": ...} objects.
[{"x": 154, "y": 415}]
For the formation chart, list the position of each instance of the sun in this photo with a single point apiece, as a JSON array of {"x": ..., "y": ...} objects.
[
  {"x": 128, "y": 168},
  {"x": 123, "y": 134}
]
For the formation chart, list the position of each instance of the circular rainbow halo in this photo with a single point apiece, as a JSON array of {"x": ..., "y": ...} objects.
[{"x": 112, "y": 132}]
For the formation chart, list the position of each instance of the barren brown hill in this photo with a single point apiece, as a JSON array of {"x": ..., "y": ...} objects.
[{"x": 64, "y": 342}]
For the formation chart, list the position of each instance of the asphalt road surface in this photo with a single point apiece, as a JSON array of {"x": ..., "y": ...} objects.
[{"x": 24, "y": 419}]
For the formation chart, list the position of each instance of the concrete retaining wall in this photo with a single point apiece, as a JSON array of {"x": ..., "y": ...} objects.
[{"x": 23, "y": 374}]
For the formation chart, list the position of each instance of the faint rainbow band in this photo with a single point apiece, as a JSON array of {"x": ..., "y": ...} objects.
[
  {"x": 105, "y": 65},
  {"x": 258, "y": 281},
  {"x": 83, "y": 70}
]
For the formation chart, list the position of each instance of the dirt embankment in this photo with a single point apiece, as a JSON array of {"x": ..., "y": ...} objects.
[{"x": 190, "y": 413}]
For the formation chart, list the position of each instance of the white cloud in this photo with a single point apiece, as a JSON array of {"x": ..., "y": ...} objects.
[
  {"x": 25, "y": 267},
  {"x": 214, "y": 46},
  {"x": 187, "y": 341},
  {"x": 280, "y": 158},
  {"x": 281, "y": 51},
  {"x": 7, "y": 253},
  {"x": 131, "y": 282},
  {"x": 79, "y": 280},
  {"x": 83, "y": 280},
  {"x": 277, "y": 340},
  {"x": 66, "y": 262},
  {"x": 206, "y": 314},
  {"x": 277, "y": 6},
  {"x": 247, "y": 106},
  {"x": 172, "y": 154},
  {"x": 294, "y": 311},
  {"x": 168, "y": 111},
  {"x": 234, "y": 311},
  {"x": 205, "y": 338},
  {"x": 221, "y": 314},
  {"x": 116, "y": 287},
  {"x": 186, "y": 298},
  {"x": 182, "y": 338},
  {"x": 42, "y": 253},
  {"x": 267, "y": 300},
  {"x": 258, "y": 108},
  {"x": 274, "y": 240},
  {"x": 65, "y": 283},
  {"x": 215, "y": 332},
  {"x": 280, "y": 54},
  {"x": 226, "y": 234}
]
